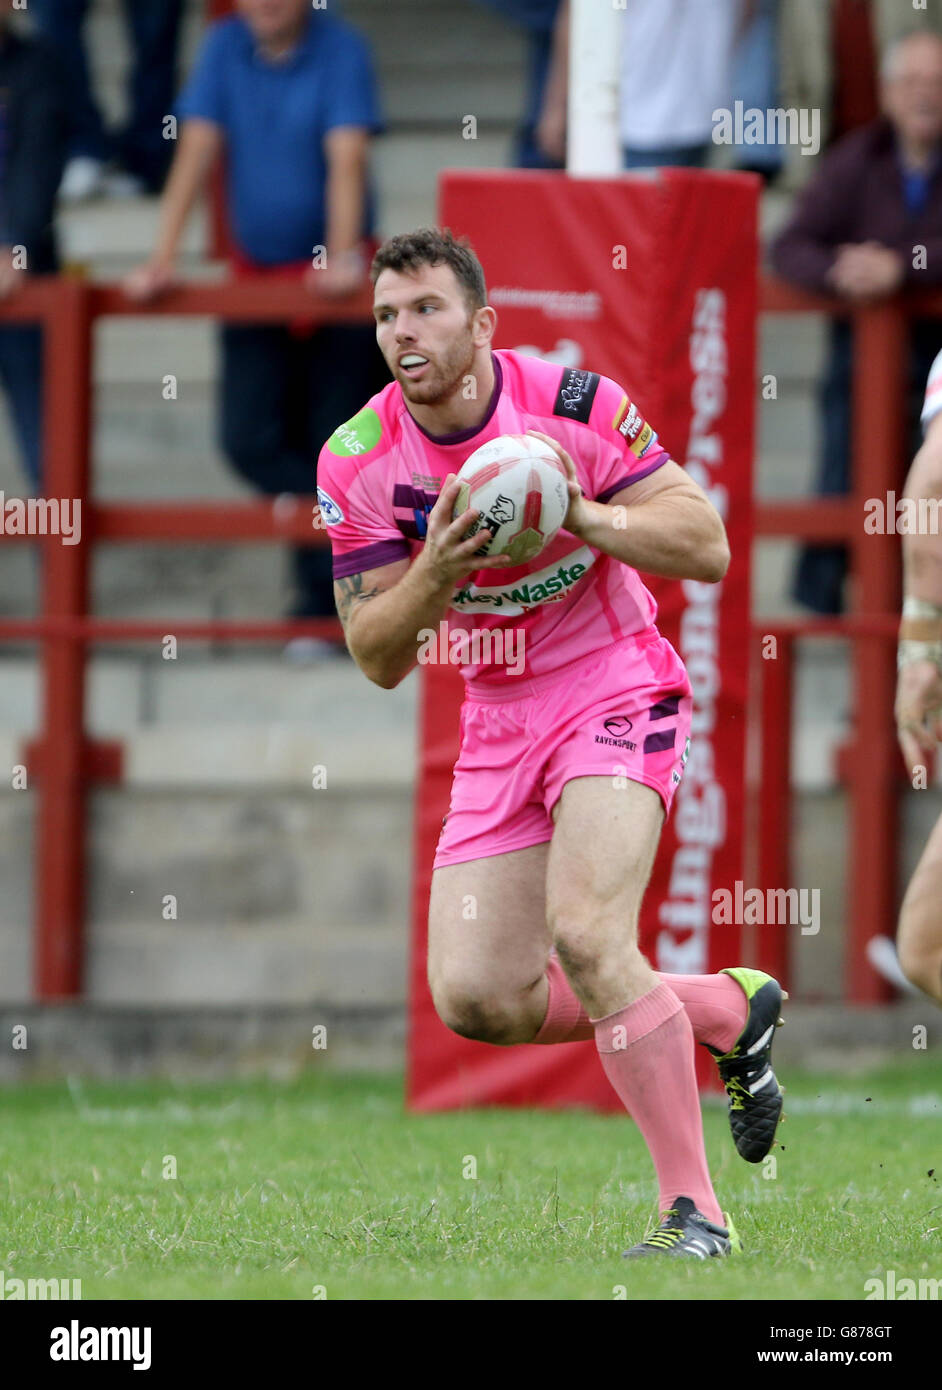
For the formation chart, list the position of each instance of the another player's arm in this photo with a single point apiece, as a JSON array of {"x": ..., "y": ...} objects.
[
  {"x": 663, "y": 524},
  {"x": 384, "y": 610},
  {"x": 919, "y": 684}
]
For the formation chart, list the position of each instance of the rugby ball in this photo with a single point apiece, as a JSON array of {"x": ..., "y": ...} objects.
[{"x": 519, "y": 484}]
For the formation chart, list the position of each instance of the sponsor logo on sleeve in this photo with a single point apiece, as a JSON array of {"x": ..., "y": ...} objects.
[
  {"x": 329, "y": 510},
  {"x": 356, "y": 436},
  {"x": 635, "y": 430},
  {"x": 575, "y": 395}
]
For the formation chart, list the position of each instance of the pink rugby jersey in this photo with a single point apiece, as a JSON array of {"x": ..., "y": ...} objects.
[{"x": 379, "y": 476}]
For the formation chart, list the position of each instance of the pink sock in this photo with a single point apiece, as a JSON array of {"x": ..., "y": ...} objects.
[
  {"x": 646, "y": 1050},
  {"x": 715, "y": 1004},
  {"x": 566, "y": 1020}
]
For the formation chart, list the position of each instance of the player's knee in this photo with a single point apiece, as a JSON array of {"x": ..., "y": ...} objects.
[
  {"x": 470, "y": 1014},
  {"x": 587, "y": 944},
  {"x": 579, "y": 948}
]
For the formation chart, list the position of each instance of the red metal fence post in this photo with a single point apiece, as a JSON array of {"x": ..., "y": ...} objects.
[
  {"x": 60, "y": 820},
  {"x": 881, "y": 373},
  {"x": 774, "y": 840}
]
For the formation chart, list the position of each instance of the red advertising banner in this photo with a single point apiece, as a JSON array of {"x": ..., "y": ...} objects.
[{"x": 650, "y": 281}]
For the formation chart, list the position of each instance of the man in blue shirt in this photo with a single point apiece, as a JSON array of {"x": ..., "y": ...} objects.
[{"x": 288, "y": 94}]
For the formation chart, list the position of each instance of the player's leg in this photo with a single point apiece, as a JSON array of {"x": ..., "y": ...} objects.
[
  {"x": 919, "y": 940},
  {"x": 488, "y": 945},
  {"x": 600, "y": 860}
]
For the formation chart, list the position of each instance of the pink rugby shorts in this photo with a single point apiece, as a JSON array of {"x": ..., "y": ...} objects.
[{"x": 623, "y": 711}]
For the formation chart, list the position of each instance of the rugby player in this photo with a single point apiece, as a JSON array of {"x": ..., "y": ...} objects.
[
  {"x": 919, "y": 691},
  {"x": 554, "y": 849}
]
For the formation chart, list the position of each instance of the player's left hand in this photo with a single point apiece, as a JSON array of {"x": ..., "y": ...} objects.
[
  {"x": 578, "y": 513},
  {"x": 919, "y": 711}
]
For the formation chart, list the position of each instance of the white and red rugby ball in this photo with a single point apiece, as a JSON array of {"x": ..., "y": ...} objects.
[{"x": 519, "y": 484}]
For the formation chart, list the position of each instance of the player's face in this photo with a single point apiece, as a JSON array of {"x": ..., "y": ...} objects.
[{"x": 425, "y": 332}]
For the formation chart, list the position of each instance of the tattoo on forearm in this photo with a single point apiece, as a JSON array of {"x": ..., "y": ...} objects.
[{"x": 349, "y": 592}]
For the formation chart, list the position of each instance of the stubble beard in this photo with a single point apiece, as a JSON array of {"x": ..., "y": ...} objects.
[{"x": 445, "y": 378}]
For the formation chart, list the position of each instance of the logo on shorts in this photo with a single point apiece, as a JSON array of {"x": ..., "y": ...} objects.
[{"x": 617, "y": 726}]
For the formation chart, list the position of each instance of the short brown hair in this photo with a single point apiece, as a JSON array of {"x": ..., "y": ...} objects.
[{"x": 434, "y": 246}]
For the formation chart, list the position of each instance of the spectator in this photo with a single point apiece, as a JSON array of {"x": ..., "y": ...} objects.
[
  {"x": 669, "y": 121},
  {"x": 829, "y": 50},
  {"x": 755, "y": 83},
  {"x": 876, "y": 197},
  {"x": 541, "y": 139},
  {"x": 140, "y": 148},
  {"x": 288, "y": 92},
  {"x": 32, "y": 148},
  {"x": 676, "y": 71}
]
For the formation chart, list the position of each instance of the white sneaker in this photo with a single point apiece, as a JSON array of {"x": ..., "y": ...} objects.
[
  {"x": 881, "y": 953},
  {"x": 82, "y": 179}
]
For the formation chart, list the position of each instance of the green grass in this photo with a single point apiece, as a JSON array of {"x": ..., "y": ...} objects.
[{"x": 326, "y": 1181}]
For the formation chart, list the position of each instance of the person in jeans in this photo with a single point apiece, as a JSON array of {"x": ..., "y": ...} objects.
[
  {"x": 288, "y": 94},
  {"x": 32, "y": 151},
  {"x": 855, "y": 232},
  {"x": 140, "y": 147}
]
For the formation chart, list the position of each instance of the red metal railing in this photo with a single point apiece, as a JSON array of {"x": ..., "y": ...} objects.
[
  {"x": 63, "y": 761},
  {"x": 870, "y": 763}
]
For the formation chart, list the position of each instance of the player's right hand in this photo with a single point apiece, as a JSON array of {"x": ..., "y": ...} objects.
[
  {"x": 449, "y": 551},
  {"x": 919, "y": 711},
  {"x": 148, "y": 281}
]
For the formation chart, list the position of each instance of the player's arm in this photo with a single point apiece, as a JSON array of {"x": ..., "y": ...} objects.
[
  {"x": 919, "y": 684},
  {"x": 384, "y": 610},
  {"x": 663, "y": 524}
]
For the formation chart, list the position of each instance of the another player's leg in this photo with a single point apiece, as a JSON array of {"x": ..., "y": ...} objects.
[
  {"x": 919, "y": 940},
  {"x": 488, "y": 946},
  {"x": 600, "y": 861}
]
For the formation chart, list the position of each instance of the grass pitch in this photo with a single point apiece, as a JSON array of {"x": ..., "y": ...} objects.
[{"x": 325, "y": 1187}]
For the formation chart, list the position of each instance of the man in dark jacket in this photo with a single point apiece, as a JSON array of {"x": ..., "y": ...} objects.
[
  {"x": 32, "y": 151},
  {"x": 868, "y": 225}
]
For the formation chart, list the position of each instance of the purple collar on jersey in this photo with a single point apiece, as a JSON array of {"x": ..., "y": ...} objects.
[{"x": 463, "y": 436}]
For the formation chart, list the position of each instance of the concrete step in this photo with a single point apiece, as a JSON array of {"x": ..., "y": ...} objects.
[{"x": 235, "y": 695}]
